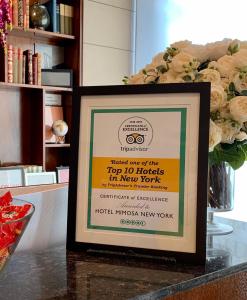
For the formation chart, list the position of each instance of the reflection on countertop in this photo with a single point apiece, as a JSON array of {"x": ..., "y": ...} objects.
[{"x": 59, "y": 274}]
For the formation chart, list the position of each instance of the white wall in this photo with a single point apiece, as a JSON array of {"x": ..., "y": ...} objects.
[
  {"x": 107, "y": 41},
  {"x": 152, "y": 18}
]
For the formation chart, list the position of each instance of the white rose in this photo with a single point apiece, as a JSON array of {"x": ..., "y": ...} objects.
[
  {"x": 213, "y": 65},
  {"x": 183, "y": 61},
  {"x": 238, "y": 108},
  {"x": 226, "y": 65},
  {"x": 218, "y": 49},
  {"x": 217, "y": 98},
  {"x": 225, "y": 111},
  {"x": 229, "y": 129},
  {"x": 240, "y": 81},
  {"x": 210, "y": 75},
  {"x": 241, "y": 136},
  {"x": 243, "y": 44},
  {"x": 181, "y": 44},
  {"x": 240, "y": 58},
  {"x": 214, "y": 135},
  {"x": 225, "y": 81},
  {"x": 139, "y": 78},
  {"x": 197, "y": 51},
  {"x": 158, "y": 59},
  {"x": 167, "y": 77}
]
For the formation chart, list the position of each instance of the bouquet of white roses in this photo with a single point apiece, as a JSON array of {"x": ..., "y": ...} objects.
[{"x": 222, "y": 63}]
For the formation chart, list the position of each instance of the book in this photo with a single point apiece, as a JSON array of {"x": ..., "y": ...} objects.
[
  {"x": 10, "y": 63},
  {"x": 26, "y": 14},
  {"x": 52, "y": 10},
  {"x": 53, "y": 99},
  {"x": 23, "y": 68},
  {"x": 68, "y": 16},
  {"x": 20, "y": 13},
  {"x": 58, "y": 17},
  {"x": 62, "y": 30},
  {"x": 20, "y": 63},
  {"x": 71, "y": 16},
  {"x": 4, "y": 70},
  {"x": 15, "y": 12},
  {"x": 28, "y": 66},
  {"x": 39, "y": 68},
  {"x": 15, "y": 65},
  {"x": 52, "y": 113},
  {"x": 66, "y": 19},
  {"x": 35, "y": 69}
]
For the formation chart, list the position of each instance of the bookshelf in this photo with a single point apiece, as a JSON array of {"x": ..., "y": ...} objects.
[{"x": 22, "y": 105}]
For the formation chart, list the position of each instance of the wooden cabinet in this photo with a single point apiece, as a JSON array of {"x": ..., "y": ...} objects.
[{"x": 22, "y": 106}]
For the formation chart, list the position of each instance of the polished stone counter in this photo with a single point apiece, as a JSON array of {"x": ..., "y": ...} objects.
[{"x": 59, "y": 274}]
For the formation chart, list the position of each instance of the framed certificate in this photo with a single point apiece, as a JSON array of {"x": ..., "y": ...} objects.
[{"x": 138, "y": 179}]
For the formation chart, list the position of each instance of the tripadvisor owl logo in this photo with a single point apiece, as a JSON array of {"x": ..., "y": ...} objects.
[{"x": 135, "y": 134}]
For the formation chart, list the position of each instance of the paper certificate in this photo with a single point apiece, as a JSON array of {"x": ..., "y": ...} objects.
[{"x": 136, "y": 175}]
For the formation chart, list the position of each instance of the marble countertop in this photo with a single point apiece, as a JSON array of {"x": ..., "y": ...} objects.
[{"x": 59, "y": 274}]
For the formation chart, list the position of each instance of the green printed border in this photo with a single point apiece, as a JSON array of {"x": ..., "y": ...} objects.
[{"x": 183, "y": 112}]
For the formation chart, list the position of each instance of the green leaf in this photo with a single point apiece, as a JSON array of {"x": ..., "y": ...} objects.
[
  {"x": 187, "y": 78},
  {"x": 162, "y": 69},
  {"x": 243, "y": 93},
  {"x": 203, "y": 65},
  {"x": 234, "y": 154},
  {"x": 244, "y": 149},
  {"x": 232, "y": 87}
]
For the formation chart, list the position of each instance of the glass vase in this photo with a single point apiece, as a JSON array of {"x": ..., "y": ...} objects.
[{"x": 220, "y": 196}]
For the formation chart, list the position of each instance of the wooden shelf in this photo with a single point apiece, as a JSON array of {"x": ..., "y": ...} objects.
[
  {"x": 15, "y": 191},
  {"x": 38, "y": 34},
  {"x": 23, "y": 106},
  {"x": 32, "y": 86},
  {"x": 57, "y": 145}
]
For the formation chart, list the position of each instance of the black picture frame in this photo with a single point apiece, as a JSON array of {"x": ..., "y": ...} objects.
[{"x": 186, "y": 90}]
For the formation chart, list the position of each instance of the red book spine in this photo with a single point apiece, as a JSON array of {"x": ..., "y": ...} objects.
[
  {"x": 15, "y": 12},
  {"x": 10, "y": 63},
  {"x": 27, "y": 14},
  {"x": 24, "y": 13},
  {"x": 20, "y": 63},
  {"x": 15, "y": 65}
]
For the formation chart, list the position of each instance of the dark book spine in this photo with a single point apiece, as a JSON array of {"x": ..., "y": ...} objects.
[
  {"x": 52, "y": 10},
  {"x": 24, "y": 69},
  {"x": 29, "y": 66},
  {"x": 35, "y": 69},
  {"x": 58, "y": 17}
]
